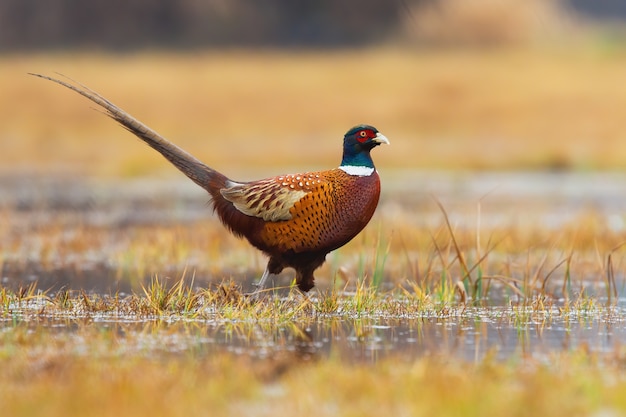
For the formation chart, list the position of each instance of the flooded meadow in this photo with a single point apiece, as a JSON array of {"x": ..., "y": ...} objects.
[
  {"x": 490, "y": 282},
  {"x": 80, "y": 254}
]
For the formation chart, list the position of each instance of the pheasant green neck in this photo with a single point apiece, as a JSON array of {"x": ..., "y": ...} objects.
[{"x": 359, "y": 163}]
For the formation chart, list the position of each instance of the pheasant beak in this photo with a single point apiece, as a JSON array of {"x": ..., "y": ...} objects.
[{"x": 380, "y": 138}]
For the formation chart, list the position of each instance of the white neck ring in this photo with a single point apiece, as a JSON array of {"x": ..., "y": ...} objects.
[{"x": 357, "y": 170}]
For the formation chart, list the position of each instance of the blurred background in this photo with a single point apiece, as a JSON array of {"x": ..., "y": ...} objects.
[
  {"x": 456, "y": 85},
  {"x": 522, "y": 102}
]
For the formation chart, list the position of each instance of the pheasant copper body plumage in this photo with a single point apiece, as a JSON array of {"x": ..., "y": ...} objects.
[{"x": 295, "y": 219}]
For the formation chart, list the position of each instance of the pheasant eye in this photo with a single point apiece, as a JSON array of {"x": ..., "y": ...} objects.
[{"x": 362, "y": 136}]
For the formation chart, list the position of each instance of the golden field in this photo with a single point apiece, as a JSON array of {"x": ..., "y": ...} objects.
[{"x": 520, "y": 108}]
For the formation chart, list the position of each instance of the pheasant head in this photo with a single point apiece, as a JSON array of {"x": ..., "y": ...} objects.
[{"x": 357, "y": 144}]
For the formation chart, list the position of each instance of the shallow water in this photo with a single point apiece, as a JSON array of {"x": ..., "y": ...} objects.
[{"x": 498, "y": 333}]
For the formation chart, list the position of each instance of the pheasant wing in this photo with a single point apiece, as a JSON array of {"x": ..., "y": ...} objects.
[{"x": 270, "y": 199}]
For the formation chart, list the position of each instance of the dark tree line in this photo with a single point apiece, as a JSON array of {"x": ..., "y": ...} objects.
[{"x": 129, "y": 24}]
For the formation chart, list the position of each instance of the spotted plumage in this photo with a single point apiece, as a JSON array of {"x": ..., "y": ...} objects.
[{"x": 295, "y": 219}]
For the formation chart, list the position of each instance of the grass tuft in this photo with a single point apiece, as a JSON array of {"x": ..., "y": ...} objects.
[{"x": 178, "y": 298}]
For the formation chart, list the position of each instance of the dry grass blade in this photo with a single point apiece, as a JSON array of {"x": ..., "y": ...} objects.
[
  {"x": 611, "y": 285},
  {"x": 565, "y": 261},
  {"x": 459, "y": 254},
  {"x": 465, "y": 269},
  {"x": 509, "y": 282}
]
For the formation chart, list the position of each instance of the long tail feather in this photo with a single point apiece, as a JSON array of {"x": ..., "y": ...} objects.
[{"x": 197, "y": 171}]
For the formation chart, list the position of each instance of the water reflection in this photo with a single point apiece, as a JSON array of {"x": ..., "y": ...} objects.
[{"x": 472, "y": 337}]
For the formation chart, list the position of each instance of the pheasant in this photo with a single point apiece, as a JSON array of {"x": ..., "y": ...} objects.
[{"x": 295, "y": 219}]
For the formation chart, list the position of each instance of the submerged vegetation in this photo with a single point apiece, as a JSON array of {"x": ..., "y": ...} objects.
[{"x": 226, "y": 303}]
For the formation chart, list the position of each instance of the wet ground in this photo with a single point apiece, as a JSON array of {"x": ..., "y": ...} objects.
[
  {"x": 543, "y": 199},
  {"x": 473, "y": 335}
]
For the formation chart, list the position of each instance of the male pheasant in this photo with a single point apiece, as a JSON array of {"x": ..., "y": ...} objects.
[{"x": 295, "y": 219}]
